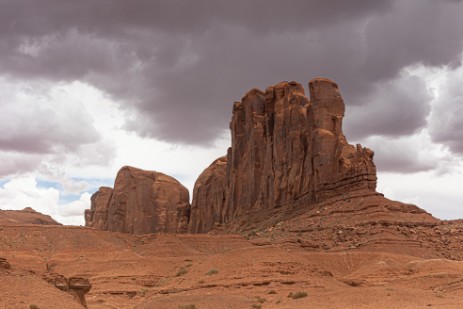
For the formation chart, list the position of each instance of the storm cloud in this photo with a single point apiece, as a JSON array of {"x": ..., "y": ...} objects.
[
  {"x": 89, "y": 86},
  {"x": 175, "y": 67}
]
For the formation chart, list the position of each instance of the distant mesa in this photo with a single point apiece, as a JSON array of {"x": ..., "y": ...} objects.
[
  {"x": 288, "y": 154},
  {"x": 25, "y": 216},
  {"x": 28, "y": 209},
  {"x": 141, "y": 202}
]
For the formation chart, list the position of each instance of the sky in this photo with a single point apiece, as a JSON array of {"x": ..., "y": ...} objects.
[{"x": 87, "y": 87}]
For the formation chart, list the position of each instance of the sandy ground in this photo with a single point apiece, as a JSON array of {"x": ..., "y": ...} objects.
[{"x": 218, "y": 271}]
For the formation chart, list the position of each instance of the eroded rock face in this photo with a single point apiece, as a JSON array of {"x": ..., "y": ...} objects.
[
  {"x": 97, "y": 215},
  {"x": 141, "y": 202},
  {"x": 287, "y": 151},
  {"x": 210, "y": 190},
  {"x": 76, "y": 286}
]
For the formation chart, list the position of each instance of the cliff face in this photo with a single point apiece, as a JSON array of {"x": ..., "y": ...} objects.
[
  {"x": 97, "y": 215},
  {"x": 210, "y": 198},
  {"x": 287, "y": 151},
  {"x": 141, "y": 202}
]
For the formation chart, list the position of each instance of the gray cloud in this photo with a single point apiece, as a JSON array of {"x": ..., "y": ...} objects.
[
  {"x": 34, "y": 121},
  {"x": 404, "y": 155},
  {"x": 426, "y": 32},
  {"x": 44, "y": 127},
  {"x": 177, "y": 66},
  {"x": 446, "y": 121},
  {"x": 393, "y": 108},
  {"x": 17, "y": 163}
]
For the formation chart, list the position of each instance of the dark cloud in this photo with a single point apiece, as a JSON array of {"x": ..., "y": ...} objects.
[
  {"x": 177, "y": 66},
  {"x": 426, "y": 32},
  {"x": 393, "y": 108}
]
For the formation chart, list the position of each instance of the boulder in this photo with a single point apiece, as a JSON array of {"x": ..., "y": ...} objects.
[
  {"x": 287, "y": 151},
  {"x": 141, "y": 202}
]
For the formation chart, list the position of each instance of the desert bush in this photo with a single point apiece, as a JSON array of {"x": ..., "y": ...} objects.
[
  {"x": 272, "y": 292},
  {"x": 252, "y": 234},
  {"x": 298, "y": 294},
  {"x": 212, "y": 271},
  {"x": 189, "y": 306},
  {"x": 181, "y": 272},
  {"x": 261, "y": 299},
  {"x": 33, "y": 306}
]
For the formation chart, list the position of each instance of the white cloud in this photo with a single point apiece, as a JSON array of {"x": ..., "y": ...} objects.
[
  {"x": 36, "y": 117},
  {"x": 410, "y": 154},
  {"x": 23, "y": 191},
  {"x": 184, "y": 162},
  {"x": 73, "y": 212},
  {"x": 91, "y": 162},
  {"x": 440, "y": 195}
]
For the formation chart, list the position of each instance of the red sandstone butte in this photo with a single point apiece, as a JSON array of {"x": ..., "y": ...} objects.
[
  {"x": 286, "y": 150},
  {"x": 141, "y": 202}
]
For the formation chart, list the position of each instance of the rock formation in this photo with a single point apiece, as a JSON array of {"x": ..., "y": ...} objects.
[
  {"x": 287, "y": 151},
  {"x": 97, "y": 215},
  {"x": 25, "y": 216},
  {"x": 141, "y": 202},
  {"x": 76, "y": 286},
  {"x": 210, "y": 197}
]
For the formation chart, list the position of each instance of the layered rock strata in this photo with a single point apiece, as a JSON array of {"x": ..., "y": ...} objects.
[
  {"x": 287, "y": 151},
  {"x": 141, "y": 202}
]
